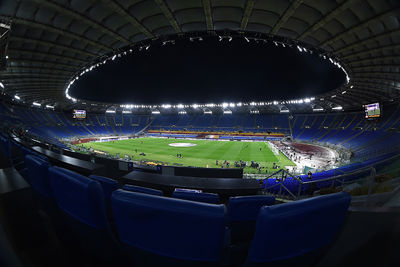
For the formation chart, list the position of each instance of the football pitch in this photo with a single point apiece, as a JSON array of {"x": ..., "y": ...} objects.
[{"x": 199, "y": 153}]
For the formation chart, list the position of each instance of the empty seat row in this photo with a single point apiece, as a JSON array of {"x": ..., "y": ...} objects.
[{"x": 153, "y": 229}]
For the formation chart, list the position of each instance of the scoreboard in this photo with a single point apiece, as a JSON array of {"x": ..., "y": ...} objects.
[
  {"x": 79, "y": 114},
  {"x": 372, "y": 111}
]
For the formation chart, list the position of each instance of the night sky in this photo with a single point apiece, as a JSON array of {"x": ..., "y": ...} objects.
[{"x": 209, "y": 72}]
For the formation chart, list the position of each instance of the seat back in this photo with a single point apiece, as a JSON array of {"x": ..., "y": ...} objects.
[
  {"x": 246, "y": 208},
  {"x": 108, "y": 185},
  {"x": 170, "y": 227},
  {"x": 140, "y": 189},
  {"x": 242, "y": 216},
  {"x": 294, "y": 229},
  {"x": 196, "y": 196},
  {"x": 79, "y": 197},
  {"x": 38, "y": 175},
  {"x": 5, "y": 151}
]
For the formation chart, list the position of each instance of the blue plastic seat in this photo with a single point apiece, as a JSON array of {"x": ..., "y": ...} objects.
[
  {"x": 162, "y": 231},
  {"x": 197, "y": 196},
  {"x": 296, "y": 232},
  {"x": 140, "y": 189},
  {"x": 108, "y": 185},
  {"x": 82, "y": 202},
  {"x": 242, "y": 216},
  {"x": 38, "y": 175},
  {"x": 5, "y": 152}
]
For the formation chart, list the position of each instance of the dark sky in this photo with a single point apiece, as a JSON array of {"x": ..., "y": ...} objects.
[{"x": 209, "y": 72}]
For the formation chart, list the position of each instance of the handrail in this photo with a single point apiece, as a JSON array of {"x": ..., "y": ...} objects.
[{"x": 338, "y": 178}]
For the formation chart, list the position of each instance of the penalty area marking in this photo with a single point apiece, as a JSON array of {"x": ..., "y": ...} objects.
[{"x": 182, "y": 144}]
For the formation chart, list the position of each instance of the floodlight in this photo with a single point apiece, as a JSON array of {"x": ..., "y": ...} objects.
[
  {"x": 17, "y": 97},
  {"x": 247, "y": 39},
  {"x": 232, "y": 105},
  {"x": 224, "y": 105},
  {"x": 344, "y": 92},
  {"x": 36, "y": 104},
  {"x": 49, "y": 106},
  {"x": 1, "y": 85}
]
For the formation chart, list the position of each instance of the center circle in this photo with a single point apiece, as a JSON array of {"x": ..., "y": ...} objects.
[{"x": 182, "y": 144}]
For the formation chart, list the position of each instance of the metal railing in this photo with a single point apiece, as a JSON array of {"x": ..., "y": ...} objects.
[{"x": 368, "y": 177}]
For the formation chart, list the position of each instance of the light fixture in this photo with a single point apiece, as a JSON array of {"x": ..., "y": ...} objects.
[
  {"x": 17, "y": 97},
  {"x": 36, "y": 104}
]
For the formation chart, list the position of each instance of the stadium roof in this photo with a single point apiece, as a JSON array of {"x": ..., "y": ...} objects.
[{"x": 51, "y": 41}]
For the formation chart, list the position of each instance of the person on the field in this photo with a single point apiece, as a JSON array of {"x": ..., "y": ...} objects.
[{"x": 216, "y": 162}]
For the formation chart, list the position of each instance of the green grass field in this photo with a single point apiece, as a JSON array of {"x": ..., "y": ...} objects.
[{"x": 204, "y": 153}]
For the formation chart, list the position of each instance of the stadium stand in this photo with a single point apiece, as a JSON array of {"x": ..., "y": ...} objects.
[
  {"x": 64, "y": 204},
  {"x": 346, "y": 130}
]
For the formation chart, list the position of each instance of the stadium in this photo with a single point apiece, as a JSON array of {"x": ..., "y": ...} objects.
[{"x": 199, "y": 133}]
